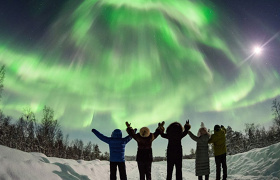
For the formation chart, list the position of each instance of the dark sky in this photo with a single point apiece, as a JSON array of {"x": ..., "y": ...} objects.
[
  {"x": 28, "y": 19},
  {"x": 36, "y": 15}
]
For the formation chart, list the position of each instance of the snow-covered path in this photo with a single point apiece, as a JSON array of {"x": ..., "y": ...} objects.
[{"x": 258, "y": 164}]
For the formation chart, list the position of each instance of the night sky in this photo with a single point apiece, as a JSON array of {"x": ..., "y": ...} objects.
[{"x": 101, "y": 63}]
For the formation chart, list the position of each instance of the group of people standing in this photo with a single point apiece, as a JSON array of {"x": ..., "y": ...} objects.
[{"x": 174, "y": 133}]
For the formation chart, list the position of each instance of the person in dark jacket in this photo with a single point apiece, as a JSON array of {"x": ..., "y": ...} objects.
[
  {"x": 202, "y": 156},
  {"x": 174, "y": 134},
  {"x": 218, "y": 139},
  {"x": 117, "y": 150},
  {"x": 144, "y": 155}
]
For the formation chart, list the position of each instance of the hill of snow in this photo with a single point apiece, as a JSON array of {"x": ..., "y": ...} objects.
[{"x": 257, "y": 164}]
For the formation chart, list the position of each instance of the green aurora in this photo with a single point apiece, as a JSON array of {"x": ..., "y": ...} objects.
[{"x": 112, "y": 61}]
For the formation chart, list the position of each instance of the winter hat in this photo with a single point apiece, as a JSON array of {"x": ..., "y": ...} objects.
[
  {"x": 144, "y": 132},
  {"x": 217, "y": 128},
  {"x": 202, "y": 130}
]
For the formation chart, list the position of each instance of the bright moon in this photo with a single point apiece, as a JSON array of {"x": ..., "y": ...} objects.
[{"x": 257, "y": 50}]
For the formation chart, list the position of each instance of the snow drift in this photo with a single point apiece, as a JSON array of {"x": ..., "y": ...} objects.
[{"x": 257, "y": 164}]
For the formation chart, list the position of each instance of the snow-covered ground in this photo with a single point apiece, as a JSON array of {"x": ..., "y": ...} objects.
[{"x": 258, "y": 164}]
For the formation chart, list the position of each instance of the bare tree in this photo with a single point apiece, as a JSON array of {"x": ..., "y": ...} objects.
[
  {"x": 47, "y": 131},
  {"x": 2, "y": 76},
  {"x": 21, "y": 132},
  {"x": 59, "y": 146},
  {"x": 87, "y": 151},
  {"x": 96, "y": 151},
  {"x": 276, "y": 113},
  {"x": 29, "y": 117},
  {"x": 77, "y": 147}
]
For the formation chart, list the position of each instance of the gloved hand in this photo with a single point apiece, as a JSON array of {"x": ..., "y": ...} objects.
[
  {"x": 161, "y": 124},
  {"x": 160, "y": 127},
  {"x": 92, "y": 130},
  {"x": 187, "y": 126},
  {"x": 127, "y": 124},
  {"x": 129, "y": 129}
]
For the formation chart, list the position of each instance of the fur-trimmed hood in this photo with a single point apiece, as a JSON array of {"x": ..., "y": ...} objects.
[{"x": 144, "y": 132}]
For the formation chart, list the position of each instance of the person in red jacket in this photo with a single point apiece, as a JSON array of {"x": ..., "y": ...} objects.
[{"x": 144, "y": 155}]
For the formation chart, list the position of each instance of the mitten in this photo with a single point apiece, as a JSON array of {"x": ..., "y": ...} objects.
[
  {"x": 187, "y": 125},
  {"x": 127, "y": 124},
  {"x": 160, "y": 127}
]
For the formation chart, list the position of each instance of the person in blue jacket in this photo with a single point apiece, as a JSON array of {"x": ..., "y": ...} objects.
[{"x": 117, "y": 149}]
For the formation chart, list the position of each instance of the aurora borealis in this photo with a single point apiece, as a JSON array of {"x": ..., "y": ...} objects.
[{"x": 99, "y": 63}]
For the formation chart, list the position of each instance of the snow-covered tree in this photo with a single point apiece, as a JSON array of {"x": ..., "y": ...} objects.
[
  {"x": 250, "y": 131},
  {"x": 229, "y": 137}
]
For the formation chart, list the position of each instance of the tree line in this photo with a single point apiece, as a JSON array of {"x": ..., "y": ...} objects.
[
  {"x": 46, "y": 137},
  {"x": 28, "y": 135},
  {"x": 255, "y": 136}
]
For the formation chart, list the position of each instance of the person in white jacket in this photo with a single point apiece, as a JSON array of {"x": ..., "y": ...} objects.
[{"x": 202, "y": 167}]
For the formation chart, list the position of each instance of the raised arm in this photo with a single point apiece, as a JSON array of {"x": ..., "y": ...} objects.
[
  {"x": 160, "y": 130},
  {"x": 156, "y": 133},
  {"x": 194, "y": 137},
  {"x": 187, "y": 127},
  {"x": 128, "y": 138},
  {"x": 185, "y": 132},
  {"x": 101, "y": 136},
  {"x": 131, "y": 132},
  {"x": 164, "y": 135},
  {"x": 212, "y": 139}
]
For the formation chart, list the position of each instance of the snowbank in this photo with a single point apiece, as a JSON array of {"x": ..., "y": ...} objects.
[
  {"x": 260, "y": 163},
  {"x": 257, "y": 164}
]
